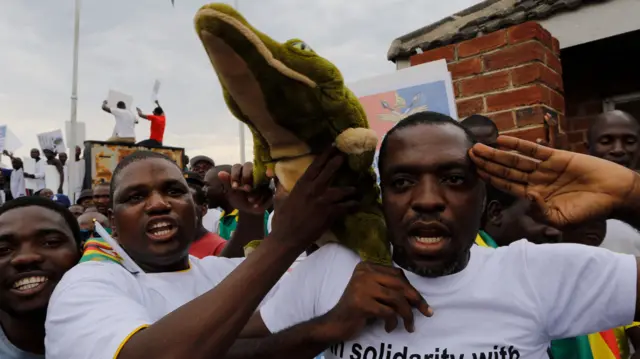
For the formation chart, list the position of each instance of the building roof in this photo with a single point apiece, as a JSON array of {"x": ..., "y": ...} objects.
[{"x": 483, "y": 18}]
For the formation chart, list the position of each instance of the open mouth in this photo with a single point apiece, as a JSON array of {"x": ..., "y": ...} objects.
[
  {"x": 427, "y": 238},
  {"x": 29, "y": 285},
  {"x": 161, "y": 230}
]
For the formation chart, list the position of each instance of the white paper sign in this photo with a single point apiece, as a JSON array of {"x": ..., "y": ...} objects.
[
  {"x": 52, "y": 141},
  {"x": 114, "y": 97},
  {"x": 154, "y": 92},
  {"x": 8, "y": 141},
  {"x": 29, "y": 165},
  {"x": 81, "y": 132}
]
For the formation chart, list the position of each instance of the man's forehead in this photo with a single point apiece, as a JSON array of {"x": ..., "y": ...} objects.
[
  {"x": 436, "y": 138},
  {"x": 141, "y": 171},
  {"x": 38, "y": 217}
]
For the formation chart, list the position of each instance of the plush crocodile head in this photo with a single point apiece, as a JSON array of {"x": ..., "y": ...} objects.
[{"x": 284, "y": 91}]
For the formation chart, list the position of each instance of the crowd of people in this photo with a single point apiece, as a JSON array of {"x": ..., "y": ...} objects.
[{"x": 502, "y": 248}]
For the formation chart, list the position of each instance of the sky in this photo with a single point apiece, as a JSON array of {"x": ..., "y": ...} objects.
[{"x": 125, "y": 45}]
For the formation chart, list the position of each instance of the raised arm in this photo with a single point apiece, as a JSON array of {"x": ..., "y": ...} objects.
[
  {"x": 140, "y": 114},
  {"x": 105, "y": 107}
]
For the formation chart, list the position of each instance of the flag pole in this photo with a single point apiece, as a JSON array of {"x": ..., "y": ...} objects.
[
  {"x": 240, "y": 124},
  {"x": 73, "y": 135}
]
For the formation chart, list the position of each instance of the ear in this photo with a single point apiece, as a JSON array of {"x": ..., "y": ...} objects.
[
  {"x": 112, "y": 224},
  {"x": 204, "y": 208},
  {"x": 494, "y": 213}
]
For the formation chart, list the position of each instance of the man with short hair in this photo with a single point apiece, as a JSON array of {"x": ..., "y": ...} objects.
[
  {"x": 101, "y": 198},
  {"x": 522, "y": 295},
  {"x": 124, "y": 130},
  {"x": 15, "y": 177},
  {"x": 614, "y": 136},
  {"x": 62, "y": 157},
  {"x": 154, "y": 301},
  {"x": 158, "y": 122},
  {"x": 87, "y": 222},
  {"x": 40, "y": 242},
  {"x": 39, "y": 171},
  {"x": 205, "y": 243},
  {"x": 483, "y": 129}
]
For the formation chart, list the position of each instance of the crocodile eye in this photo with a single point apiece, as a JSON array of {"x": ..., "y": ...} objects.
[{"x": 301, "y": 46}]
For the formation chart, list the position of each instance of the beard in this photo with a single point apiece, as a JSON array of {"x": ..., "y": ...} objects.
[{"x": 457, "y": 264}]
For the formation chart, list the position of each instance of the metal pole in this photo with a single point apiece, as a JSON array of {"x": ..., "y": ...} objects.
[
  {"x": 240, "y": 124},
  {"x": 74, "y": 107}
]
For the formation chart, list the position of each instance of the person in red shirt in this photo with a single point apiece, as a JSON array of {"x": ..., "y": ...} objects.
[
  {"x": 206, "y": 243},
  {"x": 158, "y": 123}
]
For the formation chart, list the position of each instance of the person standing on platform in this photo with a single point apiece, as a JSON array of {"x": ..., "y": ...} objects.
[
  {"x": 158, "y": 123},
  {"x": 125, "y": 123}
]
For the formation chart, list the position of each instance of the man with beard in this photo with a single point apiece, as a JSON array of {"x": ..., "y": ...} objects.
[
  {"x": 154, "y": 301},
  {"x": 102, "y": 197},
  {"x": 520, "y": 296},
  {"x": 39, "y": 170},
  {"x": 39, "y": 242}
]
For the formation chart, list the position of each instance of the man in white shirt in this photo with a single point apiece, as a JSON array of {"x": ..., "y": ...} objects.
[
  {"x": 154, "y": 301},
  {"x": 39, "y": 171},
  {"x": 124, "y": 130},
  {"x": 487, "y": 303}
]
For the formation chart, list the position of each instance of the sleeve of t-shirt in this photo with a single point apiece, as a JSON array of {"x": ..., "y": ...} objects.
[
  {"x": 297, "y": 297},
  {"x": 580, "y": 289},
  {"x": 92, "y": 313}
]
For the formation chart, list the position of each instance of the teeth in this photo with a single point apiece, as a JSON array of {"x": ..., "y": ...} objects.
[
  {"x": 160, "y": 225},
  {"x": 429, "y": 240},
  {"x": 29, "y": 283}
]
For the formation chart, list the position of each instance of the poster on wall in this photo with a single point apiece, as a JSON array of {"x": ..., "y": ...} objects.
[{"x": 387, "y": 99}]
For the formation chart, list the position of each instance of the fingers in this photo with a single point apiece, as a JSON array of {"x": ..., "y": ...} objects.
[
  {"x": 400, "y": 305},
  {"x": 247, "y": 176},
  {"x": 516, "y": 189},
  {"x": 319, "y": 163},
  {"x": 337, "y": 194},
  {"x": 241, "y": 176},
  {"x": 527, "y": 148},
  {"x": 482, "y": 155},
  {"x": 498, "y": 170}
]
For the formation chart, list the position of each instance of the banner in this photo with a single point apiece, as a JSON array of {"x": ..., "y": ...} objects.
[
  {"x": 154, "y": 92},
  {"x": 53, "y": 141},
  {"x": 389, "y": 98},
  {"x": 114, "y": 97},
  {"x": 8, "y": 141}
]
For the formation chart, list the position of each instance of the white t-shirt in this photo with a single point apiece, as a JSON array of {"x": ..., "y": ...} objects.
[
  {"x": 621, "y": 238},
  {"x": 211, "y": 220},
  {"x": 98, "y": 305},
  {"x": 39, "y": 174},
  {"x": 125, "y": 122},
  {"x": 510, "y": 300}
]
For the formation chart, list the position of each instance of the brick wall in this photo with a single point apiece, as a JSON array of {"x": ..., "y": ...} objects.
[{"x": 512, "y": 76}]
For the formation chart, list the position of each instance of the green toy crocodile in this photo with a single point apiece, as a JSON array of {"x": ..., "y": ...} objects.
[{"x": 296, "y": 105}]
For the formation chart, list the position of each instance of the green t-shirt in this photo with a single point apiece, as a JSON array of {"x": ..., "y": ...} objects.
[{"x": 229, "y": 222}]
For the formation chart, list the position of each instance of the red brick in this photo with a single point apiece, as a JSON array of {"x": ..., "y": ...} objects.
[
  {"x": 482, "y": 44},
  {"x": 556, "y": 46},
  {"x": 515, "y": 55},
  {"x": 447, "y": 52},
  {"x": 536, "y": 72},
  {"x": 529, "y": 134},
  {"x": 536, "y": 94},
  {"x": 456, "y": 89},
  {"x": 556, "y": 101},
  {"x": 504, "y": 120},
  {"x": 564, "y": 124},
  {"x": 553, "y": 61},
  {"x": 530, "y": 116},
  {"x": 485, "y": 83},
  {"x": 529, "y": 31},
  {"x": 466, "y": 68},
  {"x": 470, "y": 106}
]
